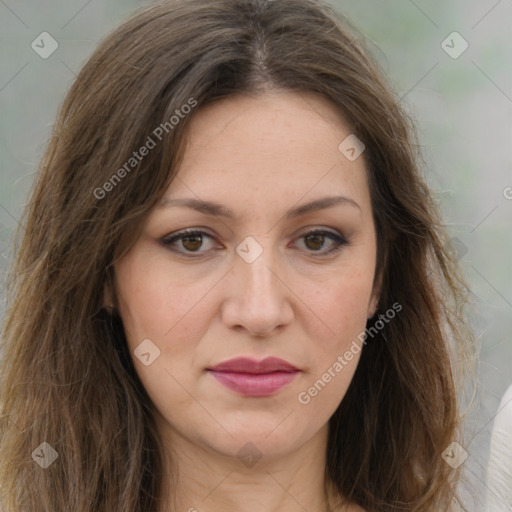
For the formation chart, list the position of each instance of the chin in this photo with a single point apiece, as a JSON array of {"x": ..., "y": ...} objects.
[{"x": 260, "y": 439}]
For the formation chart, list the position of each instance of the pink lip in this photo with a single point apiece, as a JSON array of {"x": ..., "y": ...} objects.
[{"x": 254, "y": 378}]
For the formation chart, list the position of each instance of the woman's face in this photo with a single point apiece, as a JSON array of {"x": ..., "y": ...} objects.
[{"x": 256, "y": 282}]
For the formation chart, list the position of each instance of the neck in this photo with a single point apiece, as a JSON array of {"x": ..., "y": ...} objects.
[{"x": 198, "y": 478}]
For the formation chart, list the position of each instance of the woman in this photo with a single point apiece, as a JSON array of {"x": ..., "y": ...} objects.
[{"x": 233, "y": 290}]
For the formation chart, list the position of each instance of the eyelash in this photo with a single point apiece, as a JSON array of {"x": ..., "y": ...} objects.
[{"x": 168, "y": 241}]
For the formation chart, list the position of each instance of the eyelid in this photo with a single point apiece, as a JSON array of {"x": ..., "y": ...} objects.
[
  {"x": 176, "y": 235},
  {"x": 339, "y": 239}
]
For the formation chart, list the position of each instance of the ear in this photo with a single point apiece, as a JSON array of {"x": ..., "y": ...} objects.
[
  {"x": 375, "y": 297},
  {"x": 108, "y": 297},
  {"x": 372, "y": 306}
]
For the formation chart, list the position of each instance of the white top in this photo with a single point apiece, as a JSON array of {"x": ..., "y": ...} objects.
[{"x": 499, "y": 470}]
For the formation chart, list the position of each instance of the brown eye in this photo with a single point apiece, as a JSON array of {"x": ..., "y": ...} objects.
[
  {"x": 191, "y": 242},
  {"x": 315, "y": 240}
]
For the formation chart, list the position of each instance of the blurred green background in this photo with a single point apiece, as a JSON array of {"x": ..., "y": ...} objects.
[{"x": 462, "y": 104}]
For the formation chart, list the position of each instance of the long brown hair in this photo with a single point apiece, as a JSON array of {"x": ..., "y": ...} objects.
[{"x": 66, "y": 376}]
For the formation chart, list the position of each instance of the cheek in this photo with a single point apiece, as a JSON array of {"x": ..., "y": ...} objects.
[
  {"x": 154, "y": 302},
  {"x": 336, "y": 354},
  {"x": 160, "y": 319},
  {"x": 340, "y": 305}
]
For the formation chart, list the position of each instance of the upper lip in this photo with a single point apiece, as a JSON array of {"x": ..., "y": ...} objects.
[{"x": 248, "y": 365}]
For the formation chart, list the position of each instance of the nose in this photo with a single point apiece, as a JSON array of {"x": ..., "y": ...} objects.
[{"x": 258, "y": 299}]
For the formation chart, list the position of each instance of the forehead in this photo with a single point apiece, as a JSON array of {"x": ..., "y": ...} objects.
[
  {"x": 272, "y": 123},
  {"x": 269, "y": 149}
]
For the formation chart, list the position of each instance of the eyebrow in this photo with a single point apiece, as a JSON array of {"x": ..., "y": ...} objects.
[{"x": 216, "y": 209}]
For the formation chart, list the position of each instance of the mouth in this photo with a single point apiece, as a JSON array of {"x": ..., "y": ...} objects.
[{"x": 249, "y": 377}]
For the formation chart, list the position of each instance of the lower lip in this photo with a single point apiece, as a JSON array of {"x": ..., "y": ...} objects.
[{"x": 254, "y": 384}]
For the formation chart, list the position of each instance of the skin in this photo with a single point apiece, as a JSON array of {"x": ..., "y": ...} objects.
[{"x": 259, "y": 156}]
